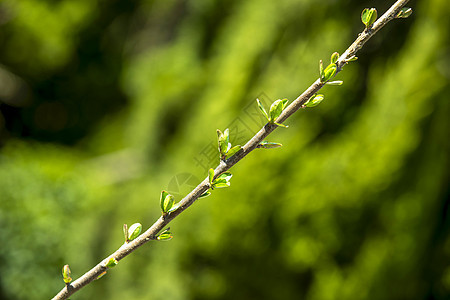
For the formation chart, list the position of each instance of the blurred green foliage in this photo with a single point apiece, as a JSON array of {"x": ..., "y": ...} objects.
[{"x": 106, "y": 103}]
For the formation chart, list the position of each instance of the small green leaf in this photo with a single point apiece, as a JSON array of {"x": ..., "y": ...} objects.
[
  {"x": 210, "y": 176},
  {"x": 233, "y": 151},
  {"x": 66, "y": 274},
  {"x": 368, "y": 17},
  {"x": 330, "y": 71},
  {"x": 134, "y": 231},
  {"x": 269, "y": 145},
  {"x": 314, "y": 101},
  {"x": 337, "y": 82},
  {"x": 223, "y": 180},
  {"x": 334, "y": 57},
  {"x": 262, "y": 109},
  {"x": 275, "y": 110},
  {"x": 166, "y": 235},
  {"x": 205, "y": 194},
  {"x": 404, "y": 12},
  {"x": 112, "y": 262},
  {"x": 166, "y": 202},
  {"x": 224, "y": 141},
  {"x": 321, "y": 73},
  {"x": 221, "y": 184},
  {"x": 352, "y": 58}
]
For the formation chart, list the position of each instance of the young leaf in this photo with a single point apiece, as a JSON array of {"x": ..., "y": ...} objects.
[
  {"x": 334, "y": 57},
  {"x": 337, "y": 82},
  {"x": 205, "y": 194},
  {"x": 112, "y": 262},
  {"x": 368, "y": 17},
  {"x": 330, "y": 71},
  {"x": 233, "y": 151},
  {"x": 166, "y": 202},
  {"x": 314, "y": 101},
  {"x": 66, "y": 274},
  {"x": 268, "y": 145},
  {"x": 224, "y": 141},
  {"x": 404, "y": 12},
  {"x": 223, "y": 180},
  {"x": 210, "y": 176},
  {"x": 262, "y": 109},
  {"x": 276, "y": 109},
  {"x": 166, "y": 235},
  {"x": 134, "y": 231}
]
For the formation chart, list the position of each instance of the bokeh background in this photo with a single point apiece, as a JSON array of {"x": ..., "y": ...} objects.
[{"x": 104, "y": 103}]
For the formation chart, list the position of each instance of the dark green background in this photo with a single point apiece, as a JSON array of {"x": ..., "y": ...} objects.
[{"x": 105, "y": 103}]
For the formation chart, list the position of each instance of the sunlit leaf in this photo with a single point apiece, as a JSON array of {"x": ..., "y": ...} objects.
[
  {"x": 233, "y": 151},
  {"x": 330, "y": 71},
  {"x": 368, "y": 16},
  {"x": 134, "y": 231},
  {"x": 314, "y": 101},
  {"x": 166, "y": 202},
  {"x": 166, "y": 235}
]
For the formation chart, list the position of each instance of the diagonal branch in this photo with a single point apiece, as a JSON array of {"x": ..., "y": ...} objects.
[{"x": 223, "y": 166}]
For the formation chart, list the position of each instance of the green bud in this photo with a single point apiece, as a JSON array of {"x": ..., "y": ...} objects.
[
  {"x": 334, "y": 57},
  {"x": 66, "y": 274},
  {"x": 404, "y": 12},
  {"x": 134, "y": 231},
  {"x": 368, "y": 17},
  {"x": 166, "y": 202},
  {"x": 112, "y": 262},
  {"x": 314, "y": 100}
]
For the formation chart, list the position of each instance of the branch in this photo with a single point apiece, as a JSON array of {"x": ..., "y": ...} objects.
[{"x": 129, "y": 246}]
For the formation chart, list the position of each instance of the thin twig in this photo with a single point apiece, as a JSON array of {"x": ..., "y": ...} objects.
[{"x": 223, "y": 166}]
